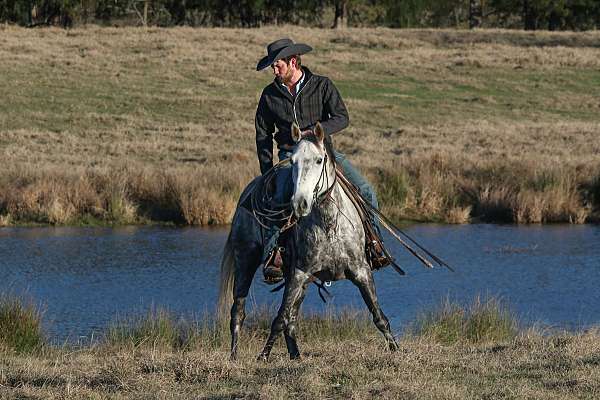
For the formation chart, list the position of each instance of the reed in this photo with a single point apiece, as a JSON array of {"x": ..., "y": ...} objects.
[{"x": 456, "y": 191}]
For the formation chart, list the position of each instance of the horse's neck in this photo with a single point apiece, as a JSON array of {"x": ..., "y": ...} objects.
[{"x": 337, "y": 199}]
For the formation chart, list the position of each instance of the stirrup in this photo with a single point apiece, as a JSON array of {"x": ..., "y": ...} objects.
[
  {"x": 377, "y": 255},
  {"x": 273, "y": 267}
]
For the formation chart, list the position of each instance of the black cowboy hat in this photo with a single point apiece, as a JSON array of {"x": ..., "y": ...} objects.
[{"x": 280, "y": 49}]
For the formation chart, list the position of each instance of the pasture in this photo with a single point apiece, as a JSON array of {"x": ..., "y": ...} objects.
[{"x": 128, "y": 125}]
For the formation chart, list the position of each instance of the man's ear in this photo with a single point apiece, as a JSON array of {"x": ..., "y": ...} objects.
[
  {"x": 319, "y": 132},
  {"x": 296, "y": 134}
]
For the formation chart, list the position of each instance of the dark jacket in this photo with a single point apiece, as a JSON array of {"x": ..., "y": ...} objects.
[{"x": 317, "y": 101}]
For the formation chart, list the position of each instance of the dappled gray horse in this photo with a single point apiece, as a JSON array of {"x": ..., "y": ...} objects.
[{"x": 328, "y": 244}]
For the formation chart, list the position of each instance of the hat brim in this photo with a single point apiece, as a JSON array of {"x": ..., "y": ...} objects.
[{"x": 298, "y": 48}]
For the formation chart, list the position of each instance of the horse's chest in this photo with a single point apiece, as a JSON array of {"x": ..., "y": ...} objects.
[{"x": 322, "y": 247}]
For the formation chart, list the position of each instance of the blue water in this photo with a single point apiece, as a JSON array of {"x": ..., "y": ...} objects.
[{"x": 86, "y": 278}]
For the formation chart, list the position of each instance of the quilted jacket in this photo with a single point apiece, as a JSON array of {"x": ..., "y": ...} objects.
[{"x": 318, "y": 100}]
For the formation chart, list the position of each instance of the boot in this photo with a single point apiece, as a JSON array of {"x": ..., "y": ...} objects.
[
  {"x": 377, "y": 255},
  {"x": 273, "y": 268}
]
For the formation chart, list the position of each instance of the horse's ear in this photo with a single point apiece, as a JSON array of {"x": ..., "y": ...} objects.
[
  {"x": 319, "y": 132},
  {"x": 296, "y": 134}
]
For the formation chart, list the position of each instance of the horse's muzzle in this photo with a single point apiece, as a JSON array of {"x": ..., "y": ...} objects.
[{"x": 301, "y": 207}]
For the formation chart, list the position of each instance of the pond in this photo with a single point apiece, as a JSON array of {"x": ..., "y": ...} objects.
[{"x": 86, "y": 278}]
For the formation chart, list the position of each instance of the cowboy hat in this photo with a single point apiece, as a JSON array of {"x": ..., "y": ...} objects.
[{"x": 280, "y": 49}]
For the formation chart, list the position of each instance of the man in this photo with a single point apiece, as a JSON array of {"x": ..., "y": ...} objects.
[{"x": 296, "y": 95}]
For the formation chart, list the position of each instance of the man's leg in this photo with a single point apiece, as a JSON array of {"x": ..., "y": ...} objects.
[
  {"x": 272, "y": 258},
  {"x": 283, "y": 186}
]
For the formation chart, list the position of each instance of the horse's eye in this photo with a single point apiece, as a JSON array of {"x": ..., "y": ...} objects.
[{"x": 319, "y": 161}]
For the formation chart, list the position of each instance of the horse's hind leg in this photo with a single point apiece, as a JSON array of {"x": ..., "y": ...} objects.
[
  {"x": 363, "y": 279},
  {"x": 245, "y": 270},
  {"x": 287, "y": 315}
]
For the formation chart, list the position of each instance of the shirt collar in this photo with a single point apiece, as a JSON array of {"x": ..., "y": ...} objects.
[{"x": 298, "y": 84}]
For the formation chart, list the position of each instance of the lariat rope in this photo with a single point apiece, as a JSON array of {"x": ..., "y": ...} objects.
[{"x": 283, "y": 213}]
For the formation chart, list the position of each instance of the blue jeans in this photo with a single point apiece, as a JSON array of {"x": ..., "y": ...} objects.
[{"x": 284, "y": 189}]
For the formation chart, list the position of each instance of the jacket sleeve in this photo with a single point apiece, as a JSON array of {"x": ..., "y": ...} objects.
[
  {"x": 265, "y": 127},
  {"x": 334, "y": 106}
]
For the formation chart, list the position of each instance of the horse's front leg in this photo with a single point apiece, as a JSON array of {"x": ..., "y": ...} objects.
[
  {"x": 293, "y": 295},
  {"x": 363, "y": 279},
  {"x": 243, "y": 279},
  {"x": 290, "y": 320}
]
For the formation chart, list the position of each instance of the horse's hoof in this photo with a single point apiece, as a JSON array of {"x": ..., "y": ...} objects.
[
  {"x": 295, "y": 357},
  {"x": 393, "y": 346},
  {"x": 233, "y": 357},
  {"x": 262, "y": 357}
]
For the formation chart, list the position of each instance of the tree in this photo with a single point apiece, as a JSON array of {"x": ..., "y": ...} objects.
[
  {"x": 341, "y": 11},
  {"x": 475, "y": 13}
]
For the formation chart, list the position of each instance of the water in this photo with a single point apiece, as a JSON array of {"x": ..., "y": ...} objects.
[{"x": 86, "y": 278}]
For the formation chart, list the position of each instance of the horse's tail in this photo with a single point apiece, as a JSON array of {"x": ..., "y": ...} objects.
[{"x": 226, "y": 284}]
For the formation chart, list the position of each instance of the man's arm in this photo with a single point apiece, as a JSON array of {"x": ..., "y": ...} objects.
[
  {"x": 335, "y": 107},
  {"x": 265, "y": 126}
]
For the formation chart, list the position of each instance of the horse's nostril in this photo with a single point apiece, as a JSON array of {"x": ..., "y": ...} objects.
[{"x": 304, "y": 204}]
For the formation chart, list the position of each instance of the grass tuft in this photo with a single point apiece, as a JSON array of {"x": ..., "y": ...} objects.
[
  {"x": 484, "y": 321},
  {"x": 20, "y": 325},
  {"x": 157, "y": 327}
]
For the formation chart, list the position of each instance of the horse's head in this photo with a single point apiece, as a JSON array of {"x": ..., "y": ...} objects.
[{"x": 312, "y": 169}]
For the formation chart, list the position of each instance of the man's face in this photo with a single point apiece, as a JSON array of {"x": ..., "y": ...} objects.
[{"x": 282, "y": 71}]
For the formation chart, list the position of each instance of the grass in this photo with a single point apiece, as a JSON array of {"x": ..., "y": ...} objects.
[
  {"x": 20, "y": 326},
  {"x": 155, "y": 356},
  {"x": 483, "y": 322},
  {"x": 129, "y": 125}
]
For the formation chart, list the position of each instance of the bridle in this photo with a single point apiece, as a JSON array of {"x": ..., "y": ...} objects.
[{"x": 324, "y": 182}]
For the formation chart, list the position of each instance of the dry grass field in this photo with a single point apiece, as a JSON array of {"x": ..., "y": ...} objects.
[
  {"x": 131, "y": 125},
  {"x": 528, "y": 366},
  {"x": 450, "y": 352}
]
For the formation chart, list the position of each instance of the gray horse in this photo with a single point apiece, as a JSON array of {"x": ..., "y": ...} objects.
[{"x": 329, "y": 245}]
